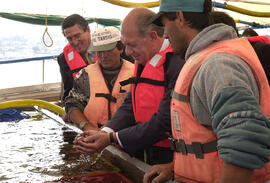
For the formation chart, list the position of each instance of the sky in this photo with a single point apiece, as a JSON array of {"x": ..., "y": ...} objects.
[
  {"x": 86, "y": 8},
  {"x": 89, "y": 8}
]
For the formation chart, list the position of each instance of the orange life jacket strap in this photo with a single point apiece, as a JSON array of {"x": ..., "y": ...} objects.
[
  {"x": 195, "y": 148},
  {"x": 110, "y": 99},
  {"x": 135, "y": 80},
  {"x": 108, "y": 96}
]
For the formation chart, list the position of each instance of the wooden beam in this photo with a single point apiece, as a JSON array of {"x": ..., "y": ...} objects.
[{"x": 49, "y": 92}]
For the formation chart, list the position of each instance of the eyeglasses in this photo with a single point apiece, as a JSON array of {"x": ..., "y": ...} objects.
[{"x": 76, "y": 37}]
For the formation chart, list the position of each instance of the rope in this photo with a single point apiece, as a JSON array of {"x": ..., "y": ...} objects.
[
  {"x": 219, "y": 5},
  {"x": 246, "y": 12},
  {"x": 241, "y": 10},
  {"x": 252, "y": 24},
  {"x": 46, "y": 31},
  {"x": 133, "y": 5},
  {"x": 250, "y": 1}
]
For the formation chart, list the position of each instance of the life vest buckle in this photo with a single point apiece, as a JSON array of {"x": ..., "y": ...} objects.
[
  {"x": 197, "y": 149},
  {"x": 181, "y": 145},
  {"x": 172, "y": 143},
  {"x": 122, "y": 90},
  {"x": 178, "y": 145}
]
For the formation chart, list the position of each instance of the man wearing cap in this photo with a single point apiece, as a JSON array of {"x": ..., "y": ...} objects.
[
  {"x": 220, "y": 104},
  {"x": 143, "y": 120},
  {"x": 96, "y": 93}
]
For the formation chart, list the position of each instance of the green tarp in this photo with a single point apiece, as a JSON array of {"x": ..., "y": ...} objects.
[{"x": 53, "y": 20}]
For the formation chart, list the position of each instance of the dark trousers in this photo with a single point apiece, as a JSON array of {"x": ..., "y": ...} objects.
[
  {"x": 158, "y": 155},
  {"x": 155, "y": 155}
]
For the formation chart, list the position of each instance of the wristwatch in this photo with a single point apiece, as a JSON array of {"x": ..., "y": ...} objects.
[
  {"x": 112, "y": 140},
  {"x": 82, "y": 125}
]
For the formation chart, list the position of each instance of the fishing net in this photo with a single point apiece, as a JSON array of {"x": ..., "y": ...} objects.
[{"x": 12, "y": 115}]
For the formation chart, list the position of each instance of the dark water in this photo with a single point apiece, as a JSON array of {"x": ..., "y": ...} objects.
[{"x": 39, "y": 149}]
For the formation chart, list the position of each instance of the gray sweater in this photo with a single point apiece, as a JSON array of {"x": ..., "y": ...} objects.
[{"x": 225, "y": 98}]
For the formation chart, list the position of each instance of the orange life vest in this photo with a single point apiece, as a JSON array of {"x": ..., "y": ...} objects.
[
  {"x": 74, "y": 60},
  {"x": 103, "y": 104},
  {"x": 148, "y": 89},
  {"x": 196, "y": 158}
]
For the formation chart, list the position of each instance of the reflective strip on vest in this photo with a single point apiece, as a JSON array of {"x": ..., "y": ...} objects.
[{"x": 74, "y": 60}]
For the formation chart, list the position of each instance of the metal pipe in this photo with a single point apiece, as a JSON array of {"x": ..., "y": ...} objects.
[
  {"x": 28, "y": 59},
  {"x": 43, "y": 71}
]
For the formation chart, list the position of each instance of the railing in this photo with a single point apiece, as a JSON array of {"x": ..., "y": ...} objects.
[
  {"x": 31, "y": 60},
  {"x": 42, "y": 91}
]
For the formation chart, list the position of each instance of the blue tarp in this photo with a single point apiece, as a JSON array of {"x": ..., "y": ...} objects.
[{"x": 12, "y": 115}]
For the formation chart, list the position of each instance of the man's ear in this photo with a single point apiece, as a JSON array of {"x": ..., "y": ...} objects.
[
  {"x": 121, "y": 51},
  {"x": 88, "y": 29},
  {"x": 153, "y": 35},
  {"x": 180, "y": 17}
]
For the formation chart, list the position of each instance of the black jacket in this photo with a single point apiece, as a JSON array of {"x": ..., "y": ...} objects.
[
  {"x": 263, "y": 52},
  {"x": 66, "y": 74},
  {"x": 137, "y": 136}
]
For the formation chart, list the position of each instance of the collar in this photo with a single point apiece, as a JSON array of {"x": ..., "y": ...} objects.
[{"x": 165, "y": 45}]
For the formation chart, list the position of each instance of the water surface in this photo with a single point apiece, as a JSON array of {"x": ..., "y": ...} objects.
[{"x": 39, "y": 149}]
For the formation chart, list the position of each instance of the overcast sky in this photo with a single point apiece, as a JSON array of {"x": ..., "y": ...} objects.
[
  {"x": 87, "y": 8},
  {"x": 102, "y": 9}
]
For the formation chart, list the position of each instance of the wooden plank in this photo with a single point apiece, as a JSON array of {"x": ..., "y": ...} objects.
[{"x": 49, "y": 92}]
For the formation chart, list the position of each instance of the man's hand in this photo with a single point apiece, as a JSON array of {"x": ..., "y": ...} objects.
[
  {"x": 92, "y": 141},
  {"x": 89, "y": 127},
  {"x": 234, "y": 174},
  {"x": 66, "y": 118},
  {"x": 159, "y": 173}
]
